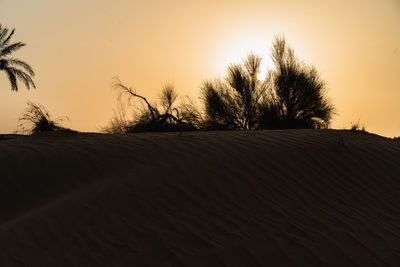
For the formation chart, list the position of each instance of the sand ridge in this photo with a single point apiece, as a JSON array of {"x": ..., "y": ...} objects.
[{"x": 259, "y": 198}]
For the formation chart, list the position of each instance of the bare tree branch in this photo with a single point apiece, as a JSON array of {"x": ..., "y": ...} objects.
[{"x": 118, "y": 84}]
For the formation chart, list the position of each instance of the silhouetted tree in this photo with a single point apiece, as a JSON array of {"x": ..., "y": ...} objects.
[
  {"x": 232, "y": 103},
  {"x": 14, "y": 68},
  {"x": 296, "y": 93}
]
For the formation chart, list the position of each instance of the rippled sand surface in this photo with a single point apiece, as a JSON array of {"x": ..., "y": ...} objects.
[{"x": 263, "y": 198}]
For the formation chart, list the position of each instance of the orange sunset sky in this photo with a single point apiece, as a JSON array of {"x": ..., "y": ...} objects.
[{"x": 77, "y": 46}]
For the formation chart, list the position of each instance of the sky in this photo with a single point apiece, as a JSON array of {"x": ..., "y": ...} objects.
[{"x": 76, "y": 47}]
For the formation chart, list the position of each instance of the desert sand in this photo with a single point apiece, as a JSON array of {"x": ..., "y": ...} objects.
[{"x": 234, "y": 198}]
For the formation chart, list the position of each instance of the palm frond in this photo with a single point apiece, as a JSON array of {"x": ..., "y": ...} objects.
[
  {"x": 3, "y": 33},
  {"x": 6, "y": 40},
  {"x": 17, "y": 62},
  {"x": 12, "y": 78},
  {"x": 11, "y": 48},
  {"x": 3, "y": 64},
  {"x": 21, "y": 75}
]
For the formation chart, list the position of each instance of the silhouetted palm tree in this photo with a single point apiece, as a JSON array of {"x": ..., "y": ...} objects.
[{"x": 15, "y": 68}]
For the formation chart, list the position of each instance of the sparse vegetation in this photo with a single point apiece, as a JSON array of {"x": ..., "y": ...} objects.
[
  {"x": 292, "y": 95},
  {"x": 119, "y": 122},
  {"x": 356, "y": 126},
  {"x": 36, "y": 119},
  {"x": 165, "y": 116}
]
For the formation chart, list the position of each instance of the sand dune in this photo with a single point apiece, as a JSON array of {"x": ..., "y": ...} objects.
[{"x": 263, "y": 198}]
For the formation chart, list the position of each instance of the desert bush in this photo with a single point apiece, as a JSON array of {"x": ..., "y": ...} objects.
[
  {"x": 291, "y": 96},
  {"x": 233, "y": 102},
  {"x": 119, "y": 121},
  {"x": 356, "y": 126},
  {"x": 191, "y": 113},
  {"x": 36, "y": 119},
  {"x": 296, "y": 93},
  {"x": 166, "y": 116}
]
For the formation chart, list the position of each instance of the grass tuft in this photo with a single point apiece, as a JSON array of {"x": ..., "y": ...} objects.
[{"x": 36, "y": 119}]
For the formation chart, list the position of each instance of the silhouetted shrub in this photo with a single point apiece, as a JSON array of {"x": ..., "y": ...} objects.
[
  {"x": 270, "y": 115},
  {"x": 119, "y": 122},
  {"x": 191, "y": 113},
  {"x": 38, "y": 119},
  {"x": 291, "y": 96},
  {"x": 233, "y": 103},
  {"x": 152, "y": 118},
  {"x": 356, "y": 126},
  {"x": 296, "y": 93}
]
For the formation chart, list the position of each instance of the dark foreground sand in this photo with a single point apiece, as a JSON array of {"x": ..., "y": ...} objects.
[{"x": 267, "y": 198}]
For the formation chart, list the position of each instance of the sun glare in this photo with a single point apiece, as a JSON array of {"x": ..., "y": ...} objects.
[{"x": 236, "y": 47}]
